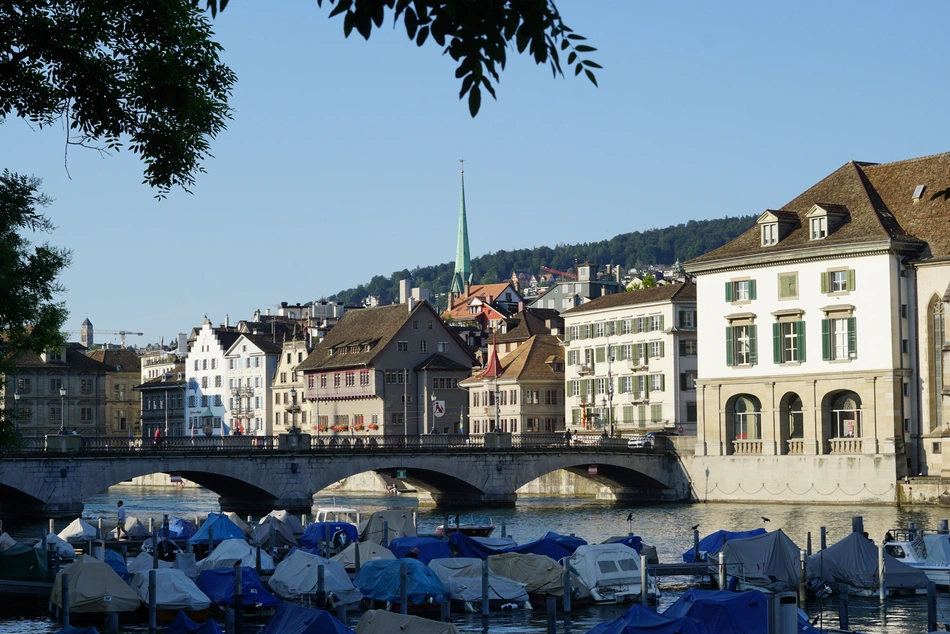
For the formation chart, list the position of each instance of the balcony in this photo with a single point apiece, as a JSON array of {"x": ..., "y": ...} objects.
[
  {"x": 244, "y": 390},
  {"x": 638, "y": 365},
  {"x": 583, "y": 369},
  {"x": 747, "y": 447},
  {"x": 796, "y": 446},
  {"x": 634, "y": 397},
  {"x": 846, "y": 445}
]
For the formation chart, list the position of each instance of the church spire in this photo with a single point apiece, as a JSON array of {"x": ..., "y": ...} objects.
[{"x": 463, "y": 264}]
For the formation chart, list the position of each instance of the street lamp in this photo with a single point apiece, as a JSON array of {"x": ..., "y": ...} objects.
[
  {"x": 432, "y": 398},
  {"x": 16, "y": 406},
  {"x": 293, "y": 410},
  {"x": 62, "y": 412}
]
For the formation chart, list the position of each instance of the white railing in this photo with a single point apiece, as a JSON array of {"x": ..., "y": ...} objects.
[
  {"x": 796, "y": 446},
  {"x": 846, "y": 445},
  {"x": 746, "y": 447}
]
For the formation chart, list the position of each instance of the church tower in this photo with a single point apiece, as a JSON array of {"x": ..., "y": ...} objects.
[
  {"x": 85, "y": 333},
  {"x": 463, "y": 264}
]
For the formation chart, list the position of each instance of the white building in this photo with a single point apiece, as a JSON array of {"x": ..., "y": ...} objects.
[
  {"x": 631, "y": 360},
  {"x": 251, "y": 363},
  {"x": 288, "y": 413},
  {"x": 206, "y": 371}
]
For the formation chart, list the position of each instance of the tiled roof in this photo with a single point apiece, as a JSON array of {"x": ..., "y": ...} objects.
[
  {"x": 76, "y": 359},
  {"x": 265, "y": 342},
  {"x": 169, "y": 378},
  {"x": 483, "y": 290},
  {"x": 880, "y": 206},
  {"x": 667, "y": 292},
  {"x": 529, "y": 361},
  {"x": 529, "y": 322},
  {"x": 441, "y": 363},
  {"x": 121, "y": 357}
]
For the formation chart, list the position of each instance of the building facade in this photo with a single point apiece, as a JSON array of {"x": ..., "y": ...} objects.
[
  {"x": 206, "y": 371},
  {"x": 288, "y": 389},
  {"x": 164, "y": 403},
  {"x": 569, "y": 293},
  {"x": 123, "y": 403},
  {"x": 250, "y": 365},
  {"x": 632, "y": 361}
]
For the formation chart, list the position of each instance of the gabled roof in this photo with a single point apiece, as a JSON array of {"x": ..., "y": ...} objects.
[
  {"x": 74, "y": 359},
  {"x": 127, "y": 359},
  {"x": 167, "y": 379},
  {"x": 878, "y": 199},
  {"x": 529, "y": 322},
  {"x": 667, "y": 292},
  {"x": 264, "y": 343},
  {"x": 485, "y": 291},
  {"x": 441, "y": 363},
  {"x": 532, "y": 360},
  {"x": 462, "y": 312}
]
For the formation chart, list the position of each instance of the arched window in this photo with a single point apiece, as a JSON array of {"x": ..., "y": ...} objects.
[
  {"x": 846, "y": 416},
  {"x": 936, "y": 356},
  {"x": 746, "y": 418}
]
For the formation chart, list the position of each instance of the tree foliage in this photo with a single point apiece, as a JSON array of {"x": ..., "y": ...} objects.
[
  {"x": 30, "y": 317},
  {"x": 655, "y": 246},
  {"x": 474, "y": 33},
  {"x": 145, "y": 71}
]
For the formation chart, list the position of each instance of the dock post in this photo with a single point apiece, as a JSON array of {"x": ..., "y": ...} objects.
[
  {"x": 341, "y": 613},
  {"x": 89, "y": 550},
  {"x": 112, "y": 623},
  {"x": 445, "y": 611},
  {"x": 385, "y": 543},
  {"x": 52, "y": 525},
  {"x": 912, "y": 527},
  {"x": 248, "y": 518},
  {"x": 696, "y": 545},
  {"x": 151, "y": 526},
  {"x": 415, "y": 521},
  {"x": 823, "y": 538},
  {"x": 238, "y": 598},
  {"x": 504, "y": 529},
  {"x": 722, "y": 570},
  {"x": 100, "y": 534},
  {"x": 303, "y": 520},
  {"x": 931, "y": 606},
  {"x": 356, "y": 556},
  {"x": 403, "y": 591},
  {"x": 552, "y": 614},
  {"x": 445, "y": 528},
  {"x": 124, "y": 551},
  {"x": 567, "y": 587},
  {"x": 65, "y": 594},
  {"x": 843, "y": 611},
  {"x": 880, "y": 573},
  {"x": 165, "y": 532},
  {"x": 943, "y": 527},
  {"x": 484, "y": 588},
  {"x": 321, "y": 588},
  {"x": 210, "y": 540},
  {"x": 801, "y": 575},
  {"x": 808, "y": 544},
  {"x": 857, "y": 524},
  {"x": 273, "y": 537},
  {"x": 228, "y": 621},
  {"x": 155, "y": 554},
  {"x": 257, "y": 560},
  {"x": 644, "y": 587},
  {"x": 152, "y": 602},
  {"x": 197, "y": 522}
]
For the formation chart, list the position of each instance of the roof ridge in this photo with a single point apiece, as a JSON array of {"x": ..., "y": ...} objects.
[{"x": 866, "y": 185}]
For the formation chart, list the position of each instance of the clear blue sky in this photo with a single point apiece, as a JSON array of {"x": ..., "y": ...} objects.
[{"x": 342, "y": 159}]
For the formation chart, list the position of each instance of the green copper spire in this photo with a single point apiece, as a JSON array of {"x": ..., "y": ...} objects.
[{"x": 463, "y": 262}]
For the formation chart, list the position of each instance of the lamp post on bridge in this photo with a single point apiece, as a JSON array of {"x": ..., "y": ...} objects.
[
  {"x": 293, "y": 410},
  {"x": 16, "y": 411},
  {"x": 62, "y": 411}
]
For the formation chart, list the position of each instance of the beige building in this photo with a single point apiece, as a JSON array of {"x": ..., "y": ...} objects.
[
  {"x": 288, "y": 389},
  {"x": 521, "y": 393},
  {"x": 123, "y": 403}
]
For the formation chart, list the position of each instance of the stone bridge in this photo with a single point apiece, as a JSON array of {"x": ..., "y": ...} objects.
[{"x": 254, "y": 481}]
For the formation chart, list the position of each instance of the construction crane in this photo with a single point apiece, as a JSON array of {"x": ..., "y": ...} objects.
[
  {"x": 571, "y": 276},
  {"x": 122, "y": 334}
]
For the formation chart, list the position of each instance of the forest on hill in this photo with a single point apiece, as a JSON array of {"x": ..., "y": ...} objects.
[{"x": 629, "y": 250}]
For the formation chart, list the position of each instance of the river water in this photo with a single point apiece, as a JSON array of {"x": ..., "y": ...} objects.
[{"x": 667, "y": 526}]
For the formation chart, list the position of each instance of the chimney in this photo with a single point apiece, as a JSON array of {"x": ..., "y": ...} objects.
[
  {"x": 267, "y": 312},
  {"x": 411, "y": 302},
  {"x": 227, "y": 321},
  {"x": 404, "y": 291},
  {"x": 521, "y": 306}
]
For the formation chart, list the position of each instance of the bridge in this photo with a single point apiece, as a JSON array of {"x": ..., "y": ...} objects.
[{"x": 52, "y": 477}]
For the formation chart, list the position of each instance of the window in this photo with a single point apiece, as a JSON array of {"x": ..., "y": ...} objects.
[
  {"x": 204, "y": 382},
  {"x": 423, "y": 346},
  {"x": 819, "y": 227},
  {"x": 217, "y": 400},
  {"x": 687, "y": 380},
  {"x": 85, "y": 414},
  {"x": 218, "y": 382},
  {"x": 656, "y": 413},
  {"x": 118, "y": 391},
  {"x": 415, "y": 324},
  {"x": 599, "y": 329},
  {"x": 56, "y": 414},
  {"x": 350, "y": 379},
  {"x": 657, "y": 382},
  {"x": 788, "y": 342},
  {"x": 846, "y": 416},
  {"x": 839, "y": 340},
  {"x": 323, "y": 380},
  {"x": 336, "y": 380},
  {"x": 532, "y": 397},
  {"x": 688, "y": 319},
  {"x": 364, "y": 377},
  {"x": 55, "y": 385},
  {"x": 654, "y": 322},
  {"x": 740, "y": 291},
  {"x": 626, "y": 384},
  {"x": 396, "y": 419},
  {"x": 746, "y": 418},
  {"x": 741, "y": 347},
  {"x": 769, "y": 234},
  {"x": 690, "y": 412},
  {"x": 687, "y": 348},
  {"x": 24, "y": 385},
  {"x": 196, "y": 364},
  {"x": 430, "y": 324},
  {"x": 402, "y": 346},
  {"x": 656, "y": 349},
  {"x": 788, "y": 286},
  {"x": 192, "y": 401},
  {"x": 626, "y": 326}
]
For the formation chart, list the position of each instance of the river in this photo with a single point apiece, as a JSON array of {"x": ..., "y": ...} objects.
[{"x": 667, "y": 526}]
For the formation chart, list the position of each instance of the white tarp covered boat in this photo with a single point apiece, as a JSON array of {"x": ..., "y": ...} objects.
[
  {"x": 369, "y": 551},
  {"x": 383, "y": 622},
  {"x": 462, "y": 576},
  {"x": 292, "y": 521},
  {"x": 769, "y": 563},
  {"x": 236, "y": 519},
  {"x": 6, "y": 541},
  {"x": 282, "y": 531},
  {"x": 608, "y": 573},
  {"x": 540, "y": 574},
  {"x": 399, "y": 524},
  {"x": 79, "y": 531},
  {"x": 94, "y": 587},
  {"x": 143, "y": 562},
  {"x": 135, "y": 529},
  {"x": 57, "y": 543},
  {"x": 173, "y": 590},
  {"x": 296, "y": 576},
  {"x": 232, "y": 550}
]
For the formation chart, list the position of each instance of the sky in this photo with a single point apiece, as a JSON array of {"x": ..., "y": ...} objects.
[{"x": 342, "y": 161}]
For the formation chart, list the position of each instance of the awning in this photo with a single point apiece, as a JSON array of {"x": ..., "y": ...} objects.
[{"x": 207, "y": 413}]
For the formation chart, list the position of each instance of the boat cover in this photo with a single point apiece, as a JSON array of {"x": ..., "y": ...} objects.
[
  {"x": 223, "y": 528},
  {"x": 244, "y": 526},
  {"x": 369, "y": 551},
  {"x": 22, "y": 563},
  {"x": 117, "y": 563},
  {"x": 400, "y": 525},
  {"x": 218, "y": 584},
  {"x": 463, "y": 578},
  {"x": 379, "y": 580},
  {"x": 143, "y": 561},
  {"x": 69, "y": 629},
  {"x": 851, "y": 566},
  {"x": 134, "y": 528},
  {"x": 296, "y": 576},
  {"x": 640, "y": 620},
  {"x": 6, "y": 541},
  {"x": 383, "y": 622},
  {"x": 179, "y": 528},
  {"x": 79, "y": 531},
  {"x": 183, "y": 625},
  {"x": 551, "y": 545},
  {"x": 318, "y": 532},
  {"x": 938, "y": 550},
  {"x": 429, "y": 548},
  {"x": 173, "y": 590},
  {"x": 769, "y": 561},
  {"x": 713, "y": 542},
  {"x": 296, "y": 619},
  {"x": 230, "y": 551},
  {"x": 292, "y": 521},
  {"x": 725, "y": 612},
  {"x": 283, "y": 535},
  {"x": 495, "y": 542},
  {"x": 631, "y": 541},
  {"x": 539, "y": 573},
  {"x": 94, "y": 587},
  {"x": 55, "y": 542},
  {"x": 187, "y": 564},
  {"x": 605, "y": 565}
]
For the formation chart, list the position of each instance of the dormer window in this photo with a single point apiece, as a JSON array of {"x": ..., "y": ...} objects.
[
  {"x": 824, "y": 219},
  {"x": 769, "y": 234},
  {"x": 775, "y": 225},
  {"x": 819, "y": 227}
]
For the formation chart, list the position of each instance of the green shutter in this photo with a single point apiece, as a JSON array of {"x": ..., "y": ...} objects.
[
  {"x": 662, "y": 322},
  {"x": 824, "y": 282},
  {"x": 852, "y": 338},
  {"x": 662, "y": 382},
  {"x": 850, "y": 279},
  {"x": 753, "y": 346},
  {"x": 599, "y": 355},
  {"x": 583, "y": 387},
  {"x": 825, "y": 338},
  {"x": 728, "y": 291},
  {"x": 800, "y": 329},
  {"x": 751, "y": 289},
  {"x": 730, "y": 347},
  {"x": 777, "y": 342},
  {"x": 662, "y": 349}
]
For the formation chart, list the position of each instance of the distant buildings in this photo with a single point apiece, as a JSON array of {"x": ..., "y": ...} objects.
[{"x": 568, "y": 293}]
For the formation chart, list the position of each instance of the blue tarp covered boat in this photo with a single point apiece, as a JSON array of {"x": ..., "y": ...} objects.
[
  {"x": 723, "y": 612},
  {"x": 429, "y": 548},
  {"x": 296, "y": 619},
  {"x": 379, "y": 580},
  {"x": 639, "y": 620},
  {"x": 551, "y": 545},
  {"x": 714, "y": 542},
  {"x": 179, "y": 528},
  {"x": 117, "y": 563},
  {"x": 632, "y": 541},
  {"x": 222, "y": 527},
  {"x": 218, "y": 584},
  {"x": 69, "y": 629},
  {"x": 183, "y": 625},
  {"x": 322, "y": 531}
]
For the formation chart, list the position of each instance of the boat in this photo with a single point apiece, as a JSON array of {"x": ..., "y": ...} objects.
[
  {"x": 231, "y": 551},
  {"x": 183, "y": 625},
  {"x": 383, "y": 526},
  {"x": 425, "y": 549},
  {"x": 329, "y": 537},
  {"x": 292, "y": 521},
  {"x": 542, "y": 576},
  {"x": 296, "y": 619},
  {"x": 218, "y": 584},
  {"x": 368, "y": 551},
  {"x": 551, "y": 545},
  {"x": 273, "y": 531},
  {"x": 473, "y": 527},
  {"x": 379, "y": 583},
  {"x": 462, "y": 576},
  {"x": 731, "y": 612},
  {"x": 851, "y": 566},
  {"x": 642, "y": 619},
  {"x": 174, "y": 592},
  {"x": 79, "y": 531},
  {"x": 23, "y": 563},
  {"x": 337, "y": 514},
  {"x": 927, "y": 552},
  {"x": 609, "y": 573},
  {"x": 296, "y": 577},
  {"x": 714, "y": 542},
  {"x": 236, "y": 519},
  {"x": 134, "y": 529},
  {"x": 220, "y": 527},
  {"x": 94, "y": 589},
  {"x": 383, "y": 622},
  {"x": 768, "y": 563}
]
